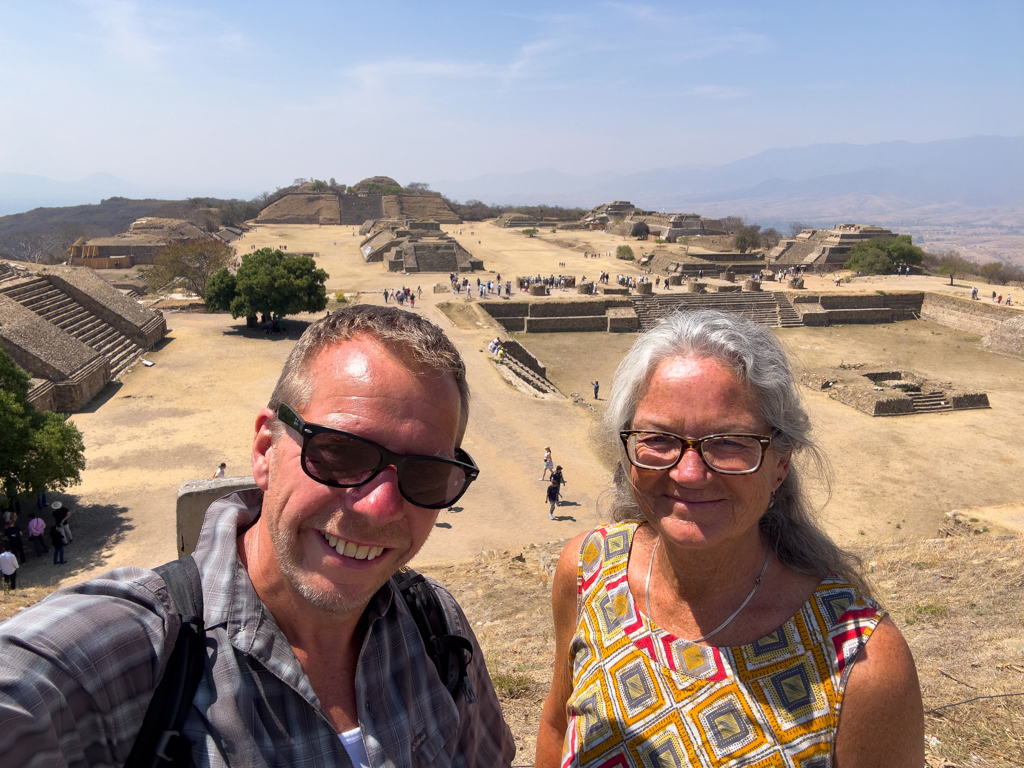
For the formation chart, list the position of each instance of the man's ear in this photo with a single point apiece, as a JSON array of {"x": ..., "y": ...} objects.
[{"x": 262, "y": 449}]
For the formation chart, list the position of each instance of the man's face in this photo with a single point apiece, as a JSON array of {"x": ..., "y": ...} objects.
[{"x": 361, "y": 388}]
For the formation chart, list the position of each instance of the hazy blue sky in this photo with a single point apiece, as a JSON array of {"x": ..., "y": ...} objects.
[{"x": 239, "y": 97}]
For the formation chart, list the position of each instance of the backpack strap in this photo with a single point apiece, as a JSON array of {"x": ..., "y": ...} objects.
[
  {"x": 450, "y": 652},
  {"x": 160, "y": 743}
]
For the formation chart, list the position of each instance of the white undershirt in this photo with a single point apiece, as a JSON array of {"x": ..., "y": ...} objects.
[{"x": 352, "y": 741}]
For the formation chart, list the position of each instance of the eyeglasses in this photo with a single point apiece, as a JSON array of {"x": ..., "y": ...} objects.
[
  {"x": 342, "y": 460},
  {"x": 725, "y": 454}
]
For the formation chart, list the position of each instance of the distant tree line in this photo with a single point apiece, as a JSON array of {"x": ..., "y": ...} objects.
[{"x": 475, "y": 210}]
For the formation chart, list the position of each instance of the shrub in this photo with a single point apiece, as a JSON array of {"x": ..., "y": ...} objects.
[
  {"x": 625, "y": 253},
  {"x": 531, "y": 231}
]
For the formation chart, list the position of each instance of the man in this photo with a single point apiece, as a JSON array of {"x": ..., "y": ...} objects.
[
  {"x": 597, "y": 386},
  {"x": 219, "y": 473},
  {"x": 313, "y": 657}
]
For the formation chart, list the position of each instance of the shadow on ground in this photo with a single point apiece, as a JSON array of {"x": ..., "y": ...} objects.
[
  {"x": 293, "y": 329},
  {"x": 97, "y": 529}
]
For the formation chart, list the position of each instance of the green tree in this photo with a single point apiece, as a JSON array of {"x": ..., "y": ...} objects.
[
  {"x": 531, "y": 231},
  {"x": 624, "y": 252},
  {"x": 993, "y": 272},
  {"x": 748, "y": 237},
  {"x": 270, "y": 283},
  {"x": 39, "y": 448},
  {"x": 881, "y": 257},
  {"x": 640, "y": 229},
  {"x": 190, "y": 264}
]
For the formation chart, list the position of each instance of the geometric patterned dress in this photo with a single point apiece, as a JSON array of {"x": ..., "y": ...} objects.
[{"x": 645, "y": 698}]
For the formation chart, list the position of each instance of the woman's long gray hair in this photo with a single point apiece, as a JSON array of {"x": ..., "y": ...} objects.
[{"x": 753, "y": 352}]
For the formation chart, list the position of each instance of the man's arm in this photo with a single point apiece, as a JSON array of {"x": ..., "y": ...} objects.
[{"x": 78, "y": 670}]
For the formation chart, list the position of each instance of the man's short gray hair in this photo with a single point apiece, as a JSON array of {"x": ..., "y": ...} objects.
[
  {"x": 411, "y": 338},
  {"x": 758, "y": 359}
]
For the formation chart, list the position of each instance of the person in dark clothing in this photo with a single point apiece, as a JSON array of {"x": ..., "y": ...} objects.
[
  {"x": 558, "y": 480},
  {"x": 552, "y": 497},
  {"x": 57, "y": 540},
  {"x": 14, "y": 539},
  {"x": 60, "y": 519}
]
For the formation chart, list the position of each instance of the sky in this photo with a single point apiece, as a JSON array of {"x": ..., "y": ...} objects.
[{"x": 235, "y": 98}]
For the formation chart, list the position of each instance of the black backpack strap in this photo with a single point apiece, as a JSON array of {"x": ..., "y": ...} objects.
[
  {"x": 160, "y": 743},
  {"x": 451, "y": 653}
]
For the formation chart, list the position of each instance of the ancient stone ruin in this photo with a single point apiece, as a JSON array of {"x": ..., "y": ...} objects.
[
  {"x": 139, "y": 245},
  {"x": 890, "y": 392},
  {"x": 72, "y": 332},
  {"x": 416, "y": 246},
  {"x": 356, "y": 206},
  {"x": 820, "y": 247},
  {"x": 619, "y": 218}
]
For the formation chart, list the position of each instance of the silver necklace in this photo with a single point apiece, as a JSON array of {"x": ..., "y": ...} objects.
[{"x": 724, "y": 624}]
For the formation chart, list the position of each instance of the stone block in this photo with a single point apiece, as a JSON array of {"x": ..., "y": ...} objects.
[
  {"x": 538, "y": 289},
  {"x": 580, "y": 323},
  {"x": 752, "y": 285},
  {"x": 623, "y": 320},
  {"x": 194, "y": 498},
  {"x": 729, "y": 276},
  {"x": 645, "y": 289},
  {"x": 675, "y": 279},
  {"x": 796, "y": 282},
  {"x": 614, "y": 290},
  {"x": 694, "y": 287}
]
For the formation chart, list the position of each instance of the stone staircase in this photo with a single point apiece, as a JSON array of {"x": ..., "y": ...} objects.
[
  {"x": 539, "y": 383},
  {"x": 58, "y": 309},
  {"x": 771, "y": 308},
  {"x": 930, "y": 402}
]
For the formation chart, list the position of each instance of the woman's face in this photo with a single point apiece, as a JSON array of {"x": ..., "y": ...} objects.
[{"x": 690, "y": 504}]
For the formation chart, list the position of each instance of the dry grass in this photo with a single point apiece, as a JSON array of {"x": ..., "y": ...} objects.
[{"x": 956, "y": 600}]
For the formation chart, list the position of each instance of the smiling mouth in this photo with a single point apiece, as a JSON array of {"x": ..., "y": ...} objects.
[{"x": 350, "y": 549}]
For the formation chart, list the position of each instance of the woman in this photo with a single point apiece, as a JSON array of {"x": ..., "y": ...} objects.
[{"x": 714, "y": 623}]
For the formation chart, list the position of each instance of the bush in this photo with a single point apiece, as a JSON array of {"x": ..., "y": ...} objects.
[
  {"x": 625, "y": 253},
  {"x": 640, "y": 229},
  {"x": 530, "y": 232}
]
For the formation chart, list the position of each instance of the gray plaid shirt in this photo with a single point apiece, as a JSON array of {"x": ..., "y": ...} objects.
[{"x": 78, "y": 669}]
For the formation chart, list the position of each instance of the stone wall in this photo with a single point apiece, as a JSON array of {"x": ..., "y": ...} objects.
[
  {"x": 847, "y": 316},
  {"x": 517, "y": 351},
  {"x": 1008, "y": 336},
  {"x": 355, "y": 209},
  {"x": 978, "y": 317},
  {"x": 41, "y": 394},
  {"x": 579, "y": 323},
  {"x": 141, "y": 325}
]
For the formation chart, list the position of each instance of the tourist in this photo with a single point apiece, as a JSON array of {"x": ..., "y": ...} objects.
[
  {"x": 385, "y": 295},
  {"x": 219, "y": 473},
  {"x": 13, "y": 534},
  {"x": 714, "y": 622},
  {"x": 1007, "y": 299},
  {"x": 999, "y": 299},
  {"x": 36, "y": 529},
  {"x": 58, "y": 542},
  {"x": 558, "y": 479},
  {"x": 61, "y": 516},
  {"x": 551, "y": 496},
  {"x": 549, "y": 465},
  {"x": 596, "y": 385},
  {"x": 9, "y": 567},
  {"x": 313, "y": 657}
]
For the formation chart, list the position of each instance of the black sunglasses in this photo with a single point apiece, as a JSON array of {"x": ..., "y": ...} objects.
[{"x": 343, "y": 460}]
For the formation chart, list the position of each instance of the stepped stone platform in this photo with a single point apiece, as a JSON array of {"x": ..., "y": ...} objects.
[
  {"x": 68, "y": 326},
  {"x": 416, "y": 246},
  {"x": 890, "y": 392},
  {"x": 770, "y": 308},
  {"x": 353, "y": 209},
  {"x": 821, "y": 310},
  {"x": 821, "y": 247}
]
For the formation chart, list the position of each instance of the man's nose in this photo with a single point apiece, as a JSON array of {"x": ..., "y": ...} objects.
[{"x": 380, "y": 498}]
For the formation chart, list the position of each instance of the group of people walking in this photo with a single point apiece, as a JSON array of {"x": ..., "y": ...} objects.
[{"x": 403, "y": 294}]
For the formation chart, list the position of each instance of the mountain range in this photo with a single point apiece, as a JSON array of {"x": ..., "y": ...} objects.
[{"x": 894, "y": 180}]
